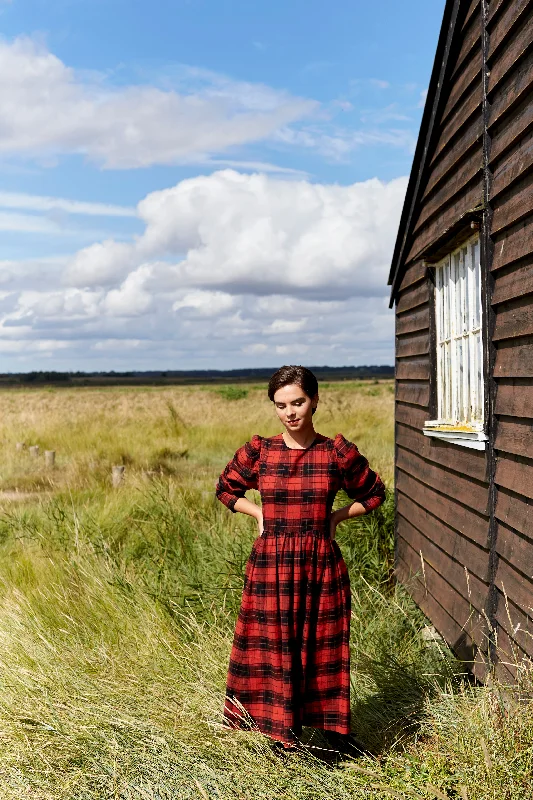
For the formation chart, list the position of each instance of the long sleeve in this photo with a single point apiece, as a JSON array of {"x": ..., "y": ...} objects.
[
  {"x": 240, "y": 474},
  {"x": 358, "y": 480}
]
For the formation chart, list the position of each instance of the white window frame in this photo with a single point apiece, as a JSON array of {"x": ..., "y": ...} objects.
[{"x": 459, "y": 345}]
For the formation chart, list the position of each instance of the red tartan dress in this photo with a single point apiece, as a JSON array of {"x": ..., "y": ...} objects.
[{"x": 290, "y": 661}]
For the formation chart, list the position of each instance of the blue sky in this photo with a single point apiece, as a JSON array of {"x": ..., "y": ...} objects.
[{"x": 203, "y": 184}]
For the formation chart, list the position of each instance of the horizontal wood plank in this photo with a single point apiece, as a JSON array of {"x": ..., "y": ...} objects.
[
  {"x": 459, "y": 517},
  {"x": 515, "y": 436},
  {"x": 417, "y": 369},
  {"x": 459, "y": 640},
  {"x": 516, "y": 44},
  {"x": 501, "y": 31},
  {"x": 515, "y": 548},
  {"x": 514, "y": 89},
  {"x": 414, "y": 320},
  {"x": 412, "y": 344},
  {"x": 514, "y": 511},
  {"x": 462, "y": 627},
  {"x": 427, "y": 533},
  {"x": 455, "y": 181},
  {"x": 470, "y": 72},
  {"x": 469, "y": 462},
  {"x": 431, "y": 233},
  {"x": 514, "y": 359},
  {"x": 519, "y": 629},
  {"x": 464, "y": 490},
  {"x": 415, "y": 392},
  {"x": 515, "y": 473},
  {"x": 513, "y": 281},
  {"x": 410, "y": 415},
  {"x": 514, "y": 398},
  {"x": 473, "y": 7},
  {"x": 513, "y": 205},
  {"x": 514, "y": 318},
  {"x": 513, "y": 244},
  {"x": 495, "y": 8},
  {"x": 463, "y": 582},
  {"x": 467, "y": 142},
  {"x": 509, "y": 655},
  {"x": 413, "y": 274},
  {"x": 510, "y": 130},
  {"x": 516, "y": 586},
  {"x": 412, "y": 297},
  {"x": 471, "y": 37},
  {"x": 517, "y": 161},
  {"x": 466, "y": 116}
]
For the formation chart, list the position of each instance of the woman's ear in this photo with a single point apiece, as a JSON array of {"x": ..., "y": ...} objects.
[{"x": 314, "y": 401}]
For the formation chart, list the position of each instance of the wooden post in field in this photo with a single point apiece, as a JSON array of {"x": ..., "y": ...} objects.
[
  {"x": 20, "y": 446},
  {"x": 49, "y": 458},
  {"x": 34, "y": 450},
  {"x": 118, "y": 476}
]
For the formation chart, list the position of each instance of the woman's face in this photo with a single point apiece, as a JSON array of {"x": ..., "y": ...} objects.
[{"x": 294, "y": 407}]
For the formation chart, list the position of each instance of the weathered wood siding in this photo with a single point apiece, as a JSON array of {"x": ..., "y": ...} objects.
[
  {"x": 510, "y": 126},
  {"x": 442, "y": 490},
  {"x": 465, "y": 517}
]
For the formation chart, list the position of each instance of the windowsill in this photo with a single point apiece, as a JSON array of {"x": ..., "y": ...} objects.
[{"x": 462, "y": 436}]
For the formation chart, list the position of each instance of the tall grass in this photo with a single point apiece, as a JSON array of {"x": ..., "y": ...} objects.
[{"x": 117, "y": 611}]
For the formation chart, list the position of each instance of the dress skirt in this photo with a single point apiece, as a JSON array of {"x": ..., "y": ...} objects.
[{"x": 290, "y": 661}]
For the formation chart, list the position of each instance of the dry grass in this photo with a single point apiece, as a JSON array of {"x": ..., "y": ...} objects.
[{"x": 117, "y": 610}]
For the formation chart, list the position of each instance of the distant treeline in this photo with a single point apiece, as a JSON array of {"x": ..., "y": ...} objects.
[{"x": 161, "y": 377}]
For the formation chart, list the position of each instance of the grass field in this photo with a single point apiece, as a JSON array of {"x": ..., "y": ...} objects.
[{"x": 117, "y": 609}]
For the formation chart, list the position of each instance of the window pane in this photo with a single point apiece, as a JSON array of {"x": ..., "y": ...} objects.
[{"x": 459, "y": 338}]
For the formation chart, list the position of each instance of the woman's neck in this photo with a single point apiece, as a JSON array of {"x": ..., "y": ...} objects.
[{"x": 300, "y": 440}]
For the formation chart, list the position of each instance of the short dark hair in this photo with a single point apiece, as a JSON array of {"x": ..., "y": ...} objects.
[{"x": 284, "y": 376}]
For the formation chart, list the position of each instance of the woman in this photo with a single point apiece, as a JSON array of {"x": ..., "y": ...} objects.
[{"x": 290, "y": 661}]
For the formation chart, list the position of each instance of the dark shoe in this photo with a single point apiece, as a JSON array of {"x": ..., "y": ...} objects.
[
  {"x": 282, "y": 749},
  {"x": 346, "y": 745}
]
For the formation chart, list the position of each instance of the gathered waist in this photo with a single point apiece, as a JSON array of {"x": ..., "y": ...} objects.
[{"x": 283, "y": 528}]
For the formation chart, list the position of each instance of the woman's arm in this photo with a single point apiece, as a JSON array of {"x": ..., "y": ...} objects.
[
  {"x": 362, "y": 485},
  {"x": 241, "y": 474},
  {"x": 355, "y": 509},
  {"x": 246, "y": 506}
]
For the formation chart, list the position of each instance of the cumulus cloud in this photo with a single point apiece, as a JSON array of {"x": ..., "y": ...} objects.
[
  {"x": 230, "y": 269},
  {"x": 49, "y": 109},
  {"x": 253, "y": 234}
]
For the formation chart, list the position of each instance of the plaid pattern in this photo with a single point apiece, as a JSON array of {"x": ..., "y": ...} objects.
[{"x": 290, "y": 661}]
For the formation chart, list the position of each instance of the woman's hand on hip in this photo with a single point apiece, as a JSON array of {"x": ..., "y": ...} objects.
[{"x": 333, "y": 522}]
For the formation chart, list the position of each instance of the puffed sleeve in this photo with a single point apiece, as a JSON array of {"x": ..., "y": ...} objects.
[
  {"x": 240, "y": 474},
  {"x": 358, "y": 480}
]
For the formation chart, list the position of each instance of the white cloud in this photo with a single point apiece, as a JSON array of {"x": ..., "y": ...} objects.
[
  {"x": 253, "y": 234},
  {"x": 131, "y": 299},
  {"x": 230, "y": 269},
  {"x": 255, "y": 349},
  {"x": 49, "y": 109},
  {"x": 100, "y": 264},
  {"x": 207, "y": 303},
  {"x": 285, "y": 326},
  {"x": 32, "y": 202},
  {"x": 28, "y": 223},
  {"x": 337, "y": 144}
]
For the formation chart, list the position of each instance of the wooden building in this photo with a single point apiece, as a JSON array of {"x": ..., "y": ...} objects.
[{"x": 462, "y": 287}]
